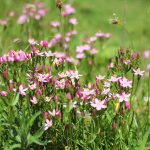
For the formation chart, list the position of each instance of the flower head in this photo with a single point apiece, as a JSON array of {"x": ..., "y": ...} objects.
[
  {"x": 22, "y": 90},
  {"x": 48, "y": 124},
  {"x": 123, "y": 97},
  {"x": 125, "y": 83},
  {"x": 138, "y": 72},
  {"x": 98, "y": 104}
]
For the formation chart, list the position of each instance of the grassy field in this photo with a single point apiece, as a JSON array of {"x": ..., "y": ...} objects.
[{"x": 21, "y": 68}]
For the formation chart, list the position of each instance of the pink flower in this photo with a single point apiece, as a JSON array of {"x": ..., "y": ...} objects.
[
  {"x": 68, "y": 10},
  {"x": 34, "y": 100},
  {"x": 45, "y": 115},
  {"x": 93, "y": 39},
  {"x": 43, "y": 77},
  {"x": 102, "y": 35},
  {"x": 114, "y": 79},
  {"x": 32, "y": 86},
  {"x": 74, "y": 105},
  {"x": 48, "y": 99},
  {"x": 54, "y": 113},
  {"x": 32, "y": 42},
  {"x": 44, "y": 43},
  {"x": 87, "y": 92},
  {"x": 123, "y": 97},
  {"x": 69, "y": 97},
  {"x": 55, "y": 24},
  {"x": 73, "y": 74},
  {"x": 114, "y": 125},
  {"x": 80, "y": 56},
  {"x": 22, "y": 19},
  {"x": 127, "y": 62},
  {"x": 125, "y": 83},
  {"x": 146, "y": 54},
  {"x": 74, "y": 32},
  {"x": 99, "y": 78},
  {"x": 93, "y": 51},
  {"x": 3, "y": 22},
  {"x": 73, "y": 21},
  {"x": 48, "y": 124},
  {"x": 3, "y": 93},
  {"x": 22, "y": 90},
  {"x": 39, "y": 92},
  {"x": 106, "y": 91},
  {"x": 98, "y": 104},
  {"x": 148, "y": 67},
  {"x": 138, "y": 72},
  {"x": 107, "y": 84},
  {"x": 127, "y": 105}
]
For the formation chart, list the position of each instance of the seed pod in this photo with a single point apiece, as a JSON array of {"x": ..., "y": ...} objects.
[{"x": 59, "y": 4}]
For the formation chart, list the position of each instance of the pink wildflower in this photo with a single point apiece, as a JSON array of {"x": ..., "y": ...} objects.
[
  {"x": 34, "y": 100},
  {"x": 98, "y": 104},
  {"x": 73, "y": 21},
  {"x": 55, "y": 24},
  {"x": 3, "y": 93},
  {"x": 123, "y": 97},
  {"x": 125, "y": 83},
  {"x": 54, "y": 113},
  {"x": 22, "y": 91},
  {"x": 48, "y": 124},
  {"x": 138, "y": 72}
]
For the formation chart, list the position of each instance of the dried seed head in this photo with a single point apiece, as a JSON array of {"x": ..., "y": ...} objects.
[{"x": 59, "y": 4}]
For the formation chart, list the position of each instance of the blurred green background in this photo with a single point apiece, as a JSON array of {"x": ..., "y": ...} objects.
[{"x": 93, "y": 16}]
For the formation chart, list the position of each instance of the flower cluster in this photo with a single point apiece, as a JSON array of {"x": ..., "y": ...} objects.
[{"x": 35, "y": 11}]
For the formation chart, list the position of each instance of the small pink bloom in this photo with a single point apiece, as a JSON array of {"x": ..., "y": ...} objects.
[
  {"x": 45, "y": 115},
  {"x": 3, "y": 93},
  {"x": 106, "y": 91},
  {"x": 114, "y": 79},
  {"x": 48, "y": 124},
  {"x": 44, "y": 43},
  {"x": 138, "y": 72},
  {"x": 22, "y": 90},
  {"x": 54, "y": 113},
  {"x": 48, "y": 99},
  {"x": 98, "y": 104},
  {"x": 39, "y": 92},
  {"x": 133, "y": 56},
  {"x": 69, "y": 97},
  {"x": 32, "y": 86},
  {"x": 127, "y": 105},
  {"x": 125, "y": 83},
  {"x": 73, "y": 21},
  {"x": 148, "y": 67},
  {"x": 147, "y": 54},
  {"x": 32, "y": 42},
  {"x": 55, "y": 24},
  {"x": 114, "y": 125},
  {"x": 127, "y": 62},
  {"x": 123, "y": 97},
  {"x": 22, "y": 19},
  {"x": 56, "y": 99},
  {"x": 34, "y": 100},
  {"x": 80, "y": 56}
]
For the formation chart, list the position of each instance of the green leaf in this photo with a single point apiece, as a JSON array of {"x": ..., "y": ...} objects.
[
  {"x": 33, "y": 139},
  {"x": 144, "y": 141},
  {"x": 14, "y": 146},
  {"x": 32, "y": 119},
  {"x": 39, "y": 133},
  {"x": 108, "y": 117},
  {"x": 15, "y": 100}
]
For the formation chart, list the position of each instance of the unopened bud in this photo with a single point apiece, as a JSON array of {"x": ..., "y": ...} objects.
[{"x": 59, "y": 4}]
